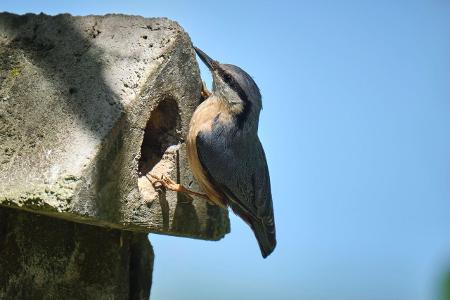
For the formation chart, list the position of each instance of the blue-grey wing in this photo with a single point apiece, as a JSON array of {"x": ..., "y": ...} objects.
[{"x": 236, "y": 164}]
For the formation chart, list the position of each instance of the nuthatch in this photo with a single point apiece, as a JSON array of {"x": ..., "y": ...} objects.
[{"x": 225, "y": 154}]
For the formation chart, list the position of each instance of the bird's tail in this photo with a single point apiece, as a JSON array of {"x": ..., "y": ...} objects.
[
  {"x": 265, "y": 235},
  {"x": 263, "y": 229}
]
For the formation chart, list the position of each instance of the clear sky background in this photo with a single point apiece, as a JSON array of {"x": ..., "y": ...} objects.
[{"x": 356, "y": 128}]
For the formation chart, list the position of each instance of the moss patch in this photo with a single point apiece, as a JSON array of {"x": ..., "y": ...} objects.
[{"x": 54, "y": 198}]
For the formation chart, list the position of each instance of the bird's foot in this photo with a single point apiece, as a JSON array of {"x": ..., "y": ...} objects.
[
  {"x": 205, "y": 93},
  {"x": 171, "y": 185},
  {"x": 165, "y": 182}
]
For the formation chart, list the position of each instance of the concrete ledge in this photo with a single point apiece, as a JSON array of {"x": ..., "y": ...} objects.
[{"x": 88, "y": 105}]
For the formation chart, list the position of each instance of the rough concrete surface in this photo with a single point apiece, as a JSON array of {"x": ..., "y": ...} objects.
[
  {"x": 88, "y": 105},
  {"x": 46, "y": 258}
]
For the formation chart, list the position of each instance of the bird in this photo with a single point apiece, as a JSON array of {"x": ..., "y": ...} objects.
[{"x": 225, "y": 154}]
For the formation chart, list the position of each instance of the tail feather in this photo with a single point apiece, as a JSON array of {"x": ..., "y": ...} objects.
[
  {"x": 265, "y": 235},
  {"x": 263, "y": 231}
]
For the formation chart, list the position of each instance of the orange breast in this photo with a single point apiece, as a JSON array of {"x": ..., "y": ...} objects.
[{"x": 201, "y": 122}]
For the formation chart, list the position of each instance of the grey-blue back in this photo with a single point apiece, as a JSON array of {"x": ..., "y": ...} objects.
[{"x": 235, "y": 161}]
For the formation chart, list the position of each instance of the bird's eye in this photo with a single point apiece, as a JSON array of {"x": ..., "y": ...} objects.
[{"x": 227, "y": 77}]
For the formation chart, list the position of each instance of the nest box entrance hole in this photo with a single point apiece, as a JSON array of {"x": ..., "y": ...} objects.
[{"x": 163, "y": 130}]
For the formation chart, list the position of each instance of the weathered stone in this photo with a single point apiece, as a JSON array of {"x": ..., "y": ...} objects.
[
  {"x": 88, "y": 105},
  {"x": 46, "y": 258}
]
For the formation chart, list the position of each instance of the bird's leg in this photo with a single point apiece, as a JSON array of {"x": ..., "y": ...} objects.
[
  {"x": 205, "y": 93},
  {"x": 173, "y": 186}
]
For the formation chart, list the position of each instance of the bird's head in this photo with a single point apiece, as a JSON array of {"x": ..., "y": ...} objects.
[{"x": 233, "y": 84}]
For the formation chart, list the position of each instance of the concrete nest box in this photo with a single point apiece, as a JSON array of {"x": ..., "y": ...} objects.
[{"x": 88, "y": 107}]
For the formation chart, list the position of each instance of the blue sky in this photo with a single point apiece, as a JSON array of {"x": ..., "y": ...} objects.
[{"x": 355, "y": 125}]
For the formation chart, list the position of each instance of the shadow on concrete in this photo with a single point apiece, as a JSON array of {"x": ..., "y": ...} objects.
[
  {"x": 64, "y": 52},
  {"x": 62, "y": 49},
  {"x": 46, "y": 258}
]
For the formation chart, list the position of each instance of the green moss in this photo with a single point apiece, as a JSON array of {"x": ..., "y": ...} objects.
[{"x": 14, "y": 72}]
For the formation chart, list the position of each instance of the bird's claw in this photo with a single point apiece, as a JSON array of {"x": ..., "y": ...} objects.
[
  {"x": 171, "y": 185},
  {"x": 165, "y": 182}
]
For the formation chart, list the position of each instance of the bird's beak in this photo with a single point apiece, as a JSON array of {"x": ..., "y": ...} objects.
[{"x": 209, "y": 62}]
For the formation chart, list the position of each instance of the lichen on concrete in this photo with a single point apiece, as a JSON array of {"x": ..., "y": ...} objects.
[{"x": 53, "y": 198}]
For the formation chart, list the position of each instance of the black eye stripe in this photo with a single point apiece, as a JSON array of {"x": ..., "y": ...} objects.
[
  {"x": 240, "y": 91},
  {"x": 233, "y": 84}
]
